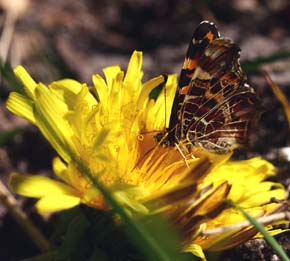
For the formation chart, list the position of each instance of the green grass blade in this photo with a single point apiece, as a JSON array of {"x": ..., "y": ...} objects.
[
  {"x": 8, "y": 74},
  {"x": 271, "y": 240},
  {"x": 255, "y": 64}
]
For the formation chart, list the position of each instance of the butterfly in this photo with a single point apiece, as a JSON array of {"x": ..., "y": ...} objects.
[{"x": 214, "y": 106}]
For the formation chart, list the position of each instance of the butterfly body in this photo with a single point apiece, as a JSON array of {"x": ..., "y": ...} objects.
[{"x": 214, "y": 107}]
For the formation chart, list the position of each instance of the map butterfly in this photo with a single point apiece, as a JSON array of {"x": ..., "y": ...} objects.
[{"x": 214, "y": 107}]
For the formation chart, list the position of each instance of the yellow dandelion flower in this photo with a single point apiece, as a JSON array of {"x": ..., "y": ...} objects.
[{"x": 110, "y": 128}]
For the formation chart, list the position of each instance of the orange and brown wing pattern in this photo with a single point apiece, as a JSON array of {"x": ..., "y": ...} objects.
[
  {"x": 214, "y": 107},
  {"x": 219, "y": 106},
  {"x": 202, "y": 37}
]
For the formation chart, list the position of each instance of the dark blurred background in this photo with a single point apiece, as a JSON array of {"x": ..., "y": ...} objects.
[{"x": 54, "y": 39}]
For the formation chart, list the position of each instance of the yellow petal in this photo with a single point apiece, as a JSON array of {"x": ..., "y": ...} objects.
[
  {"x": 147, "y": 88},
  {"x": 160, "y": 108},
  {"x": 38, "y": 186},
  {"x": 21, "y": 106},
  {"x": 115, "y": 97},
  {"x": 49, "y": 113},
  {"x": 58, "y": 202},
  {"x": 110, "y": 74},
  {"x": 134, "y": 74},
  {"x": 28, "y": 82},
  {"x": 274, "y": 232},
  {"x": 100, "y": 87},
  {"x": 212, "y": 201},
  {"x": 60, "y": 169},
  {"x": 64, "y": 85},
  {"x": 196, "y": 250},
  {"x": 72, "y": 92},
  {"x": 263, "y": 196}
]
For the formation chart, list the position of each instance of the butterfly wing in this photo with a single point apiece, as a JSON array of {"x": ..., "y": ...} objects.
[
  {"x": 219, "y": 106},
  {"x": 205, "y": 33}
]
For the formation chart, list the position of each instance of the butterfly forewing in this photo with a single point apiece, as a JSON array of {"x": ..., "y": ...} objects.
[{"x": 203, "y": 35}]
